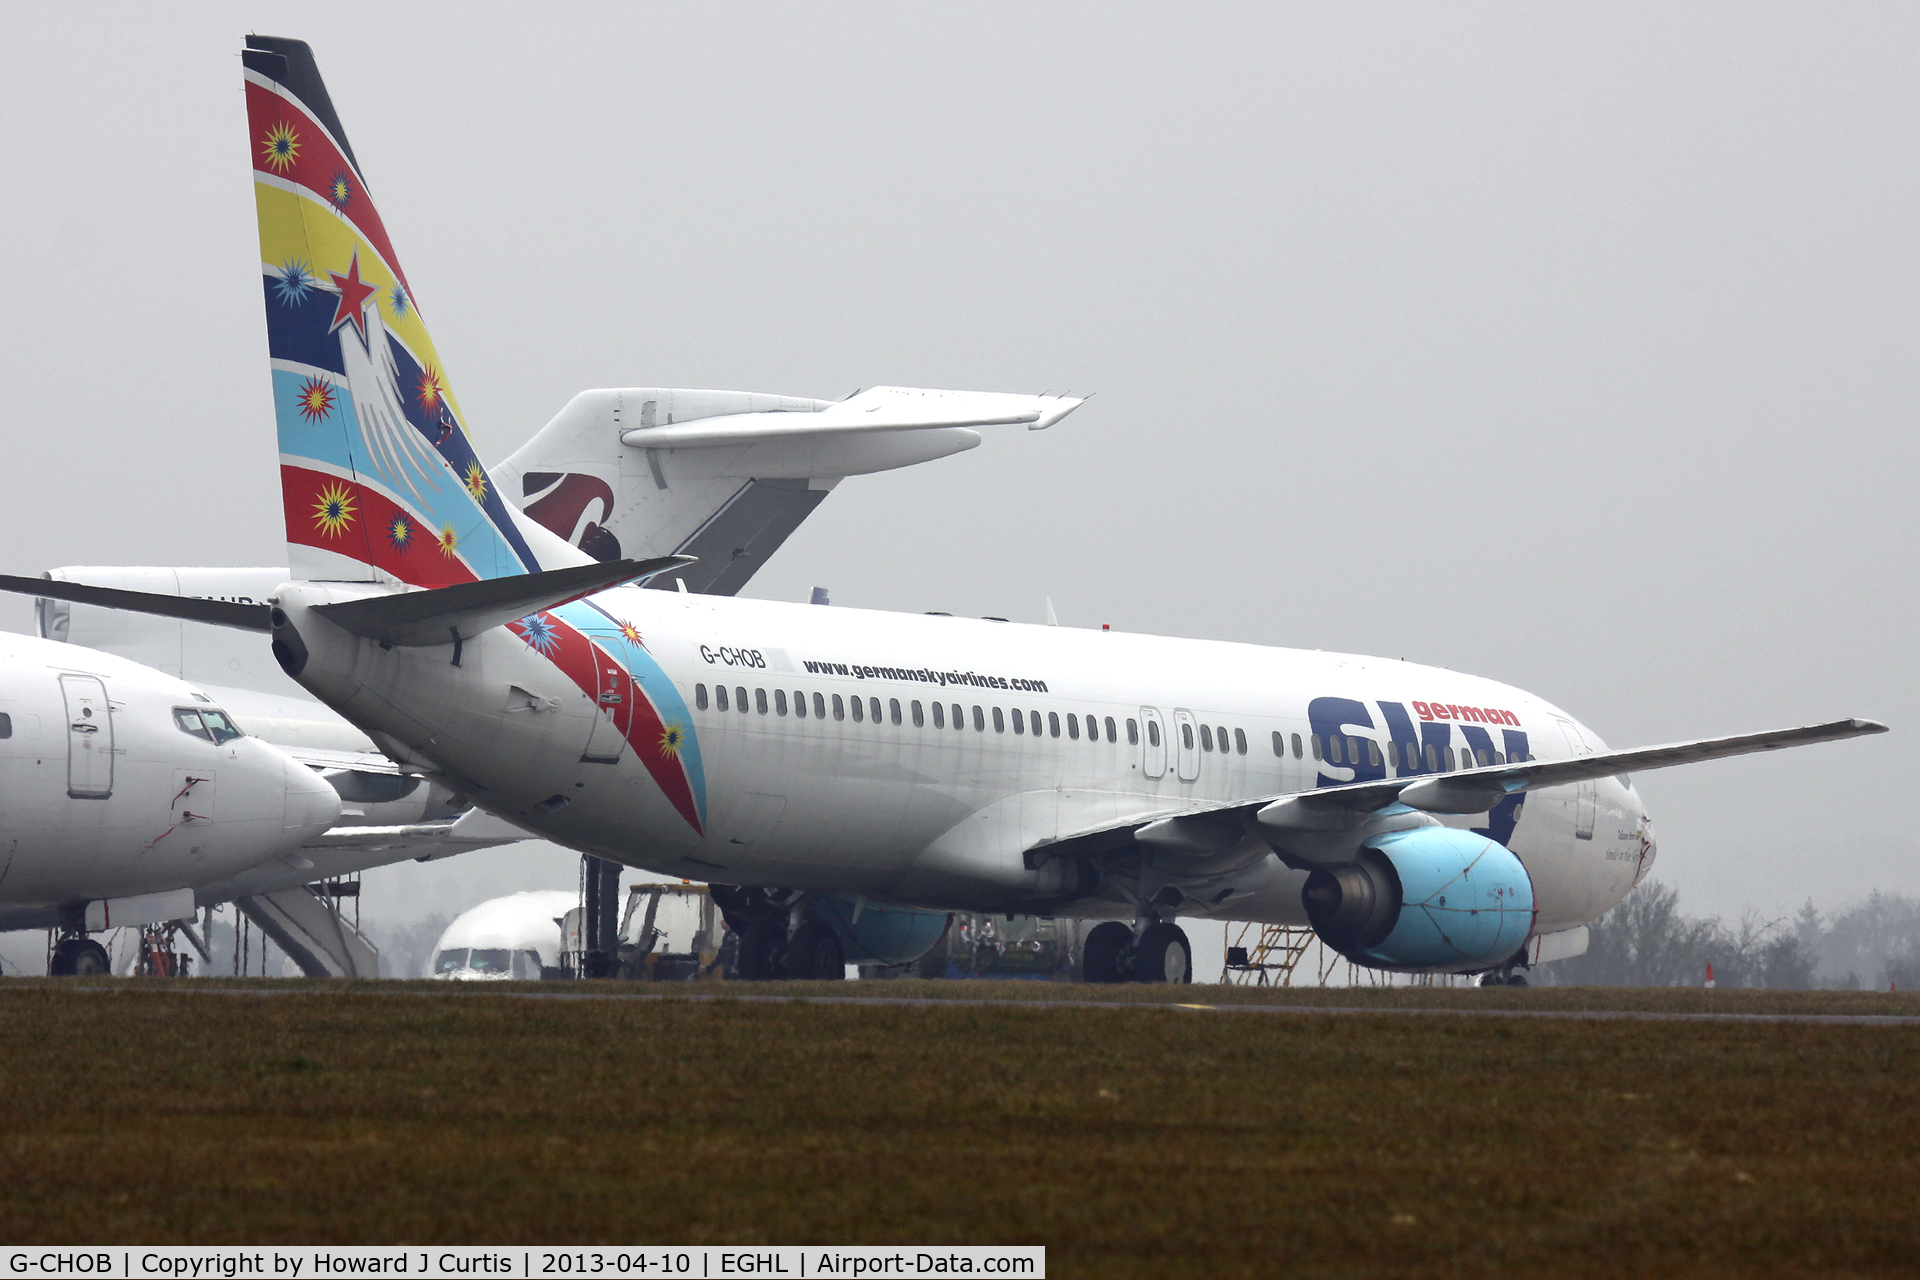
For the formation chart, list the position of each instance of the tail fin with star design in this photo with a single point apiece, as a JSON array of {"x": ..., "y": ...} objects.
[{"x": 378, "y": 476}]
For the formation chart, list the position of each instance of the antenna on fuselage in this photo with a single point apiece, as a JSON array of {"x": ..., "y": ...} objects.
[{"x": 1053, "y": 619}]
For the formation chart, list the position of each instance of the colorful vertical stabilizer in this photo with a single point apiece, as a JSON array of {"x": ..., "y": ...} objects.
[{"x": 378, "y": 476}]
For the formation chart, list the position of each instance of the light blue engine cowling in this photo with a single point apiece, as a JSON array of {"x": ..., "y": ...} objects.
[
  {"x": 1432, "y": 899},
  {"x": 881, "y": 935}
]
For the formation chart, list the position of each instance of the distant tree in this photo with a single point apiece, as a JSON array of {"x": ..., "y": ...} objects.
[
  {"x": 1875, "y": 940},
  {"x": 1647, "y": 941},
  {"x": 406, "y": 947}
]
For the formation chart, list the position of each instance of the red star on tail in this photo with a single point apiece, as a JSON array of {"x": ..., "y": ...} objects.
[{"x": 354, "y": 293}]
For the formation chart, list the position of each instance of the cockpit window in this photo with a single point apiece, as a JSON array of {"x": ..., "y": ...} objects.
[
  {"x": 448, "y": 961},
  {"x": 489, "y": 960},
  {"x": 187, "y": 720},
  {"x": 224, "y": 730}
]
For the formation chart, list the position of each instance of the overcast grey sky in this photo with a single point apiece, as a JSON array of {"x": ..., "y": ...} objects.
[{"x": 1570, "y": 345}]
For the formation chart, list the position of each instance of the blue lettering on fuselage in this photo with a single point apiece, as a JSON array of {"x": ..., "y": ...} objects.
[{"x": 1431, "y": 750}]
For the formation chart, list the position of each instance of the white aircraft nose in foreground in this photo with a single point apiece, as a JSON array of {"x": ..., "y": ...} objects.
[
  {"x": 121, "y": 789},
  {"x": 847, "y": 778}
]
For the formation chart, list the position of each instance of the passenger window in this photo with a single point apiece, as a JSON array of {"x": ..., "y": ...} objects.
[
  {"x": 740, "y": 698},
  {"x": 1498, "y": 758},
  {"x": 1033, "y": 722},
  {"x": 1186, "y": 736},
  {"x": 1433, "y": 758},
  {"x": 999, "y": 722},
  {"x": 780, "y": 701},
  {"x": 224, "y": 730},
  {"x": 1053, "y": 723},
  {"x": 939, "y": 715},
  {"x": 720, "y": 697},
  {"x": 1240, "y": 741},
  {"x": 839, "y": 713},
  {"x": 700, "y": 697},
  {"x": 760, "y": 701},
  {"x": 1315, "y": 741},
  {"x": 873, "y": 706},
  {"x": 1373, "y": 752},
  {"x": 1484, "y": 759},
  {"x": 980, "y": 720},
  {"x": 1279, "y": 745},
  {"x": 187, "y": 720},
  {"x": 1297, "y": 753},
  {"x": 1133, "y": 731},
  {"x": 960, "y": 717},
  {"x": 1019, "y": 720},
  {"x": 6, "y": 725},
  {"x": 800, "y": 704},
  {"x": 859, "y": 710},
  {"x": 1073, "y": 726},
  {"x": 820, "y": 706},
  {"x": 919, "y": 715},
  {"x": 1206, "y": 738},
  {"x": 1333, "y": 751},
  {"x": 893, "y": 705},
  {"x": 1153, "y": 733}
]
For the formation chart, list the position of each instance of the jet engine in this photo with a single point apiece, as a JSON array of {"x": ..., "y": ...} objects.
[{"x": 1430, "y": 899}]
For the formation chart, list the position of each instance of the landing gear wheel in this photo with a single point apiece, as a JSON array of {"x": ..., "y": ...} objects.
[
  {"x": 1517, "y": 980},
  {"x": 1163, "y": 954},
  {"x": 1104, "y": 955},
  {"x": 1493, "y": 980},
  {"x": 763, "y": 950},
  {"x": 815, "y": 954},
  {"x": 79, "y": 958}
]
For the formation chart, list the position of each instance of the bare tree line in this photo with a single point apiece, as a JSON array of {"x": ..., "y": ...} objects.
[{"x": 1647, "y": 941}]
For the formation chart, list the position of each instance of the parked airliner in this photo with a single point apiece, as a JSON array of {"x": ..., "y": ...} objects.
[
  {"x": 848, "y": 777},
  {"x": 121, "y": 789}
]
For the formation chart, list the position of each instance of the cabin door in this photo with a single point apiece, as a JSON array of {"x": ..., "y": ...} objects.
[
  {"x": 615, "y": 711},
  {"x": 1586, "y": 794},
  {"x": 89, "y": 738}
]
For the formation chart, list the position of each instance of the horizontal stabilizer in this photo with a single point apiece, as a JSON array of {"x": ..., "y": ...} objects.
[
  {"x": 875, "y": 409},
  {"x": 463, "y": 611},
  {"x": 221, "y": 613}
]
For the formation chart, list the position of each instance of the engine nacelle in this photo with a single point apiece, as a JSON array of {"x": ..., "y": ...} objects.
[
  {"x": 1432, "y": 899},
  {"x": 872, "y": 934}
]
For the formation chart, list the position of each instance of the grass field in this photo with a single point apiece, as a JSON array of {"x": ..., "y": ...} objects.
[{"x": 1131, "y": 1142}]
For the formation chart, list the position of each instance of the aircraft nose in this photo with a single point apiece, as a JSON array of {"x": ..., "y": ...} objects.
[{"x": 312, "y": 804}]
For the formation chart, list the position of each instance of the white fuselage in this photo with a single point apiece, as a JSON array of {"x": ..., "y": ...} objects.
[
  {"x": 114, "y": 783},
  {"x": 913, "y": 809}
]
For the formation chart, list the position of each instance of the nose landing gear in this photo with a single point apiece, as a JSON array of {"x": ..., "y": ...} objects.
[
  {"x": 78, "y": 957},
  {"x": 1159, "y": 952}
]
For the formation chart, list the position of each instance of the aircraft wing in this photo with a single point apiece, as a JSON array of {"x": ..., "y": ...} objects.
[{"x": 1217, "y": 828}]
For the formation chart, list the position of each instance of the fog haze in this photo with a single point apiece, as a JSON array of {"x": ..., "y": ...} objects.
[{"x": 1568, "y": 345}]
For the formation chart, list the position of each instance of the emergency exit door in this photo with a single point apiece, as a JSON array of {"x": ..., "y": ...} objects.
[
  {"x": 1153, "y": 743},
  {"x": 89, "y": 738}
]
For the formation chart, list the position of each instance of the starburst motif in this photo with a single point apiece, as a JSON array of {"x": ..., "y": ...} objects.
[
  {"x": 671, "y": 739},
  {"x": 333, "y": 512},
  {"x": 476, "y": 480},
  {"x": 340, "y": 189},
  {"x": 447, "y": 541},
  {"x": 397, "y": 301},
  {"x": 280, "y": 148},
  {"x": 294, "y": 284},
  {"x": 431, "y": 388},
  {"x": 632, "y": 633},
  {"x": 315, "y": 400},
  {"x": 400, "y": 532},
  {"x": 538, "y": 631}
]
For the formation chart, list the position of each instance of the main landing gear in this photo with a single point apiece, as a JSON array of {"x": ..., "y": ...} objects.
[
  {"x": 1503, "y": 978},
  {"x": 1158, "y": 952},
  {"x": 760, "y": 920},
  {"x": 78, "y": 957}
]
